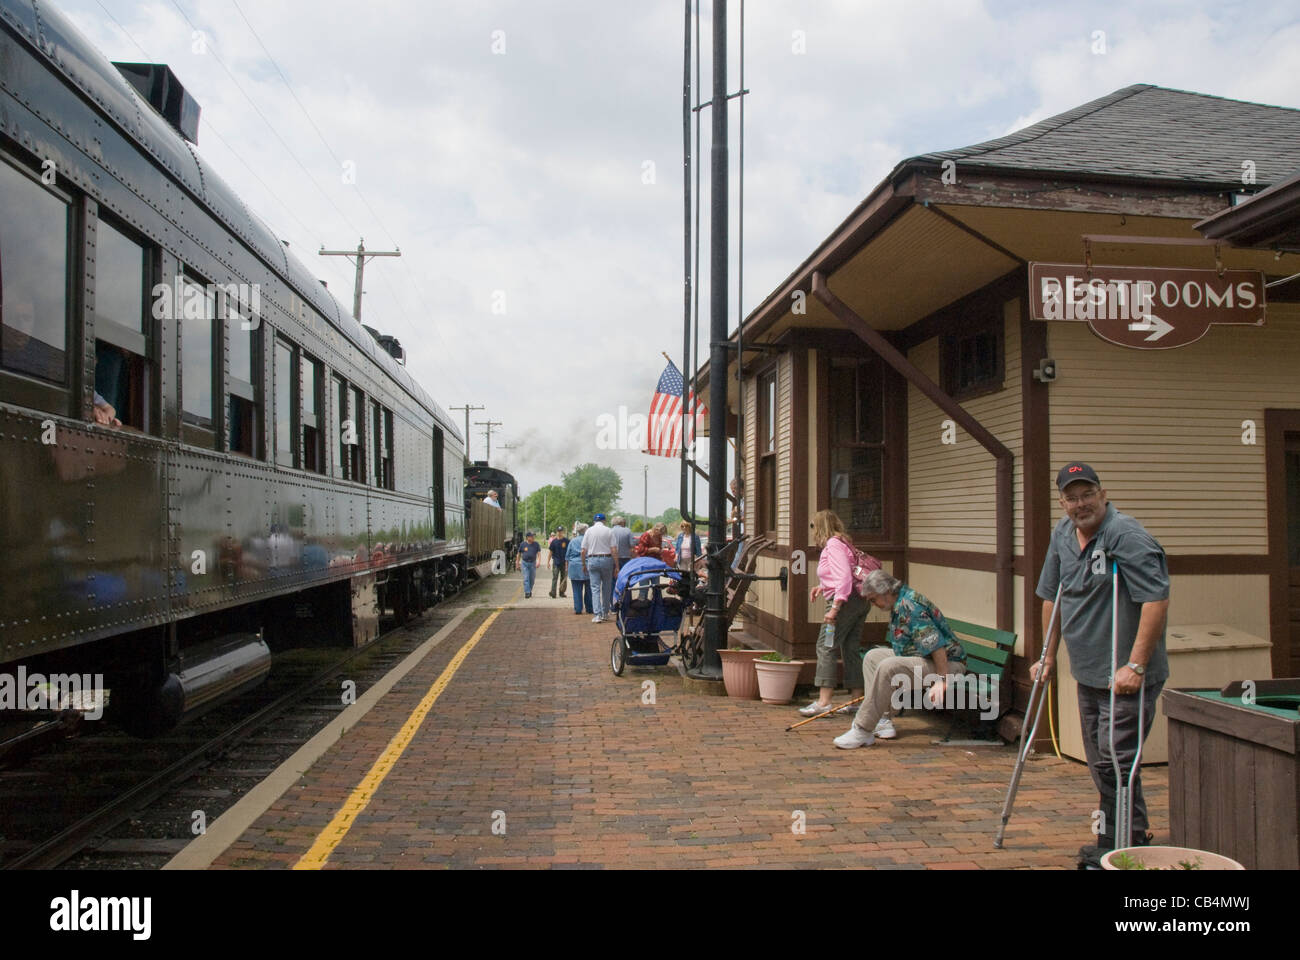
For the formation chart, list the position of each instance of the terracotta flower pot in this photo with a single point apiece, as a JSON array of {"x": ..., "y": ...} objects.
[
  {"x": 1170, "y": 858},
  {"x": 777, "y": 680},
  {"x": 738, "y": 674}
]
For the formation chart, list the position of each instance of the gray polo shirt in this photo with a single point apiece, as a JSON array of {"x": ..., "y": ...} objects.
[
  {"x": 623, "y": 540},
  {"x": 1086, "y": 596}
]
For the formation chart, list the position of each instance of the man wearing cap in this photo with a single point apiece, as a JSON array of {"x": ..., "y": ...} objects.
[
  {"x": 600, "y": 563},
  {"x": 1089, "y": 541},
  {"x": 528, "y": 552},
  {"x": 558, "y": 546}
]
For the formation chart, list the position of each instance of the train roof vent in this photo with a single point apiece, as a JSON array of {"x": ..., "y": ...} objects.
[
  {"x": 390, "y": 345},
  {"x": 156, "y": 83}
]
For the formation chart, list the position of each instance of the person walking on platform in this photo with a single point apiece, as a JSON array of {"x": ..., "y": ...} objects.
[
  {"x": 559, "y": 546},
  {"x": 1089, "y": 544},
  {"x": 623, "y": 540},
  {"x": 600, "y": 563},
  {"x": 528, "y": 552},
  {"x": 578, "y": 576}
]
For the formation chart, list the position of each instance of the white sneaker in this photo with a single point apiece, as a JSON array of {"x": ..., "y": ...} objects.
[
  {"x": 854, "y": 738},
  {"x": 885, "y": 729},
  {"x": 814, "y": 709},
  {"x": 597, "y": 619}
]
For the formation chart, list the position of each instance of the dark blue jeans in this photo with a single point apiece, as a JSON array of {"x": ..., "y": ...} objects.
[{"x": 581, "y": 595}]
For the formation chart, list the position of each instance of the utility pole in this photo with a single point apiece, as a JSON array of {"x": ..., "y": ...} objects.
[
  {"x": 467, "y": 408},
  {"x": 361, "y": 254},
  {"x": 545, "y": 527},
  {"x": 489, "y": 424}
]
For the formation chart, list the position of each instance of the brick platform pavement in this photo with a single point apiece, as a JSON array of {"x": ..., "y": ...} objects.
[{"x": 536, "y": 734}]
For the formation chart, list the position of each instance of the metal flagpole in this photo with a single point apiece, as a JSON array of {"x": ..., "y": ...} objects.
[{"x": 714, "y": 615}]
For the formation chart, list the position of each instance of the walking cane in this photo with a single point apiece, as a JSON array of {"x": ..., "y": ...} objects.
[
  {"x": 829, "y": 710},
  {"x": 1026, "y": 742},
  {"x": 1123, "y": 792}
]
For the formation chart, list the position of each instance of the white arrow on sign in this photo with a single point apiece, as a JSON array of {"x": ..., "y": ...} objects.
[{"x": 1153, "y": 325}]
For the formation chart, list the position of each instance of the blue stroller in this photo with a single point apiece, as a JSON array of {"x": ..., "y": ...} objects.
[{"x": 644, "y": 608}]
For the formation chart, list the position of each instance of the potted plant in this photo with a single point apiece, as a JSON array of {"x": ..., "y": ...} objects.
[
  {"x": 777, "y": 677},
  {"x": 1166, "y": 858},
  {"x": 738, "y": 674}
]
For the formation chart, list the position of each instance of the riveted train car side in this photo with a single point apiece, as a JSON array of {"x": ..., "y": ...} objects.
[{"x": 201, "y": 451}]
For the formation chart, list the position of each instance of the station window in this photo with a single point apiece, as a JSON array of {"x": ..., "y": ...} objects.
[
  {"x": 972, "y": 361},
  {"x": 123, "y": 360},
  {"x": 767, "y": 415},
  {"x": 244, "y": 363},
  {"x": 197, "y": 315},
  {"x": 313, "y": 446},
  {"x": 857, "y": 447},
  {"x": 34, "y": 262},
  {"x": 286, "y": 455}
]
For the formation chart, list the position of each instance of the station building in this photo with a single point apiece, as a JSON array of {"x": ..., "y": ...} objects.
[{"x": 928, "y": 368}]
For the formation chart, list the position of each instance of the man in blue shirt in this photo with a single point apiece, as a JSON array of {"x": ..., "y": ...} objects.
[
  {"x": 528, "y": 551},
  {"x": 1091, "y": 537},
  {"x": 559, "y": 572}
]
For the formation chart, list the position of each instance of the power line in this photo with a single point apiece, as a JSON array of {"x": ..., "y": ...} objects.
[
  {"x": 208, "y": 125},
  {"x": 269, "y": 125},
  {"x": 307, "y": 114}
]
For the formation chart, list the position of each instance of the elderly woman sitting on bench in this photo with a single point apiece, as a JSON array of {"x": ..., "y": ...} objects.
[{"x": 920, "y": 643}]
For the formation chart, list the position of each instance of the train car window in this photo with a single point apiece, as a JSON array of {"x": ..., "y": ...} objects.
[
  {"x": 285, "y": 454},
  {"x": 33, "y": 278},
  {"x": 439, "y": 485},
  {"x": 244, "y": 366},
  {"x": 313, "y": 449},
  {"x": 197, "y": 316},
  {"x": 340, "y": 418},
  {"x": 357, "y": 452},
  {"x": 390, "y": 482},
  {"x": 377, "y": 442},
  {"x": 123, "y": 359}
]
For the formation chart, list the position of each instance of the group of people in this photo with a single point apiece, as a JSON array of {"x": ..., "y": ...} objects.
[
  {"x": 1093, "y": 548},
  {"x": 589, "y": 559}
]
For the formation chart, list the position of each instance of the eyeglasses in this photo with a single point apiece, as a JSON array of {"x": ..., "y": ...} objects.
[{"x": 1082, "y": 498}]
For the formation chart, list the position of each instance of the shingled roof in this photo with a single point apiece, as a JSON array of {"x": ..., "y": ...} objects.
[{"x": 1148, "y": 133}]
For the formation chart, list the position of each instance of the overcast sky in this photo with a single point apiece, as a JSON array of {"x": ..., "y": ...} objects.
[{"x": 526, "y": 157}]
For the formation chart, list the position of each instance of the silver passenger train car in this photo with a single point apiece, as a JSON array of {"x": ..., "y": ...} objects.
[{"x": 201, "y": 450}]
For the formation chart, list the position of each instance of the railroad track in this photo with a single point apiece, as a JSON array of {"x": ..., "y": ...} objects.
[{"x": 109, "y": 801}]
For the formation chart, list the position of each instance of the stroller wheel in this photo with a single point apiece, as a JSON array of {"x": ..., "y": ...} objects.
[{"x": 618, "y": 656}]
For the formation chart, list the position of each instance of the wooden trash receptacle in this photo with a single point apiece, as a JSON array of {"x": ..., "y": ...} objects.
[{"x": 1234, "y": 772}]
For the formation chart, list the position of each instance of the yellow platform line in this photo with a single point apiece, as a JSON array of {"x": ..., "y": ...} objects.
[{"x": 360, "y": 798}]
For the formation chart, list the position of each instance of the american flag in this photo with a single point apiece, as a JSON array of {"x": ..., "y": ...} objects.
[{"x": 664, "y": 431}]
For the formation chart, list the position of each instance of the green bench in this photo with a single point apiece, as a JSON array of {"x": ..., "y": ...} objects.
[{"x": 988, "y": 656}]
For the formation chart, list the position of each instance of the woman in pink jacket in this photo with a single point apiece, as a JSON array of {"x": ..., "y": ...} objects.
[{"x": 846, "y": 610}]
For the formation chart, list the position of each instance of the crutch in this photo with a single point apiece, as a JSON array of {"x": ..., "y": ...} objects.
[
  {"x": 1026, "y": 742},
  {"x": 1123, "y": 792},
  {"x": 829, "y": 710}
]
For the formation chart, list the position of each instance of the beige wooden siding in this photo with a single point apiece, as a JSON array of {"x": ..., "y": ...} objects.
[
  {"x": 784, "y": 441},
  {"x": 969, "y": 595},
  {"x": 1163, "y": 428},
  {"x": 749, "y": 467},
  {"x": 809, "y": 451},
  {"x": 952, "y": 488}
]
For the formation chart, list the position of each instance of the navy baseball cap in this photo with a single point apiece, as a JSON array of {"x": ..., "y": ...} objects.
[
  {"x": 599, "y": 516},
  {"x": 1075, "y": 471}
]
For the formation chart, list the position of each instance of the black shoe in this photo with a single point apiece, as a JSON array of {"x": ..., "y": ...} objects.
[
  {"x": 552, "y": 594},
  {"x": 528, "y": 596}
]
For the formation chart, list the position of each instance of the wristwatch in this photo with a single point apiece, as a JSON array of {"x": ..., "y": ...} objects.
[{"x": 1137, "y": 668}]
